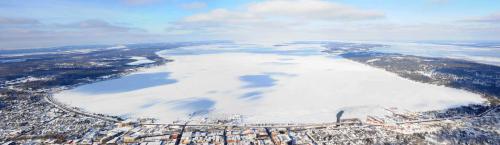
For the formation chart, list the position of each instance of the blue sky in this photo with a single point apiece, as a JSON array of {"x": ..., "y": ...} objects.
[{"x": 36, "y": 23}]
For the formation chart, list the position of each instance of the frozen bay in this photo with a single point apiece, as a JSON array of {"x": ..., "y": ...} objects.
[{"x": 294, "y": 83}]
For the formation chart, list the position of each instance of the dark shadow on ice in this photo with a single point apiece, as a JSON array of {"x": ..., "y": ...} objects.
[
  {"x": 252, "y": 95},
  {"x": 127, "y": 83},
  {"x": 198, "y": 106},
  {"x": 150, "y": 104},
  {"x": 257, "y": 81}
]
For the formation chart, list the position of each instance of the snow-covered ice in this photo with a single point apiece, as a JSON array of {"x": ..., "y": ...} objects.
[
  {"x": 285, "y": 84},
  {"x": 373, "y": 60},
  {"x": 140, "y": 60}
]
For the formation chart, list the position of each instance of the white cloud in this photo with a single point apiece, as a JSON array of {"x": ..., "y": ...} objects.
[
  {"x": 312, "y": 9},
  {"x": 279, "y": 20},
  {"x": 221, "y": 15},
  {"x": 294, "y": 10},
  {"x": 97, "y": 25},
  {"x": 17, "y": 21},
  {"x": 492, "y": 18},
  {"x": 270, "y": 21},
  {"x": 82, "y": 32}
]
